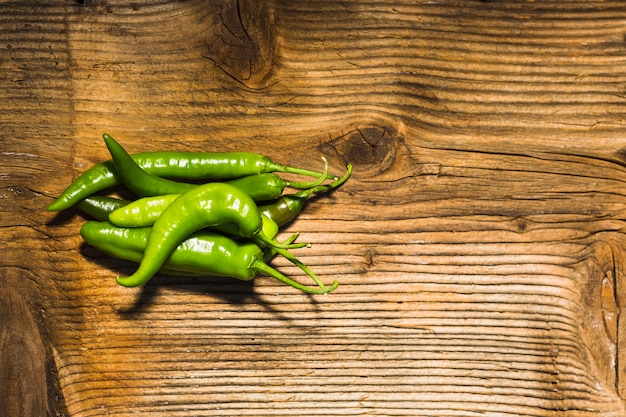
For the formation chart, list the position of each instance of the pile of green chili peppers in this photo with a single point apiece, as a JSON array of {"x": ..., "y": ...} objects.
[{"x": 196, "y": 213}]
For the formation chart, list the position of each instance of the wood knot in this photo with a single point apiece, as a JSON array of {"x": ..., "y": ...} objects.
[
  {"x": 19, "y": 192},
  {"x": 371, "y": 149},
  {"x": 620, "y": 154},
  {"x": 241, "y": 41}
]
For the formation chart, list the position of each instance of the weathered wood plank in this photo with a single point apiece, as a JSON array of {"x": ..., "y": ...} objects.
[
  {"x": 23, "y": 366},
  {"x": 479, "y": 243}
]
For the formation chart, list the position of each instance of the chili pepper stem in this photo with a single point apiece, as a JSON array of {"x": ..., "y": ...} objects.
[
  {"x": 323, "y": 188},
  {"x": 311, "y": 184},
  {"x": 262, "y": 240},
  {"x": 268, "y": 270},
  {"x": 293, "y": 170},
  {"x": 270, "y": 252},
  {"x": 291, "y": 258}
]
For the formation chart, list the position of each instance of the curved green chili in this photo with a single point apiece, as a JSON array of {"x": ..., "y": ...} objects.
[
  {"x": 146, "y": 211},
  {"x": 206, "y": 205},
  {"x": 178, "y": 165},
  {"x": 201, "y": 254}
]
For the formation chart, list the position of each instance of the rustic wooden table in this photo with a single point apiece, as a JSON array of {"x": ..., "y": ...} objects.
[{"x": 479, "y": 244}]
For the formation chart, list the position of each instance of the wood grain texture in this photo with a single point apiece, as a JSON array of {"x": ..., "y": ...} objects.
[
  {"x": 22, "y": 354},
  {"x": 479, "y": 244}
]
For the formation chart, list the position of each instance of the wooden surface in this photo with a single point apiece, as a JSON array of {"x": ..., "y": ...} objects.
[{"x": 479, "y": 244}]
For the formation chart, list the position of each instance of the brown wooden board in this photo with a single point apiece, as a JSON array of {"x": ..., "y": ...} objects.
[{"x": 479, "y": 244}]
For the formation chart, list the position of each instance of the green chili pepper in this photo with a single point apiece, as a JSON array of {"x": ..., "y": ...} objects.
[
  {"x": 179, "y": 165},
  {"x": 141, "y": 212},
  {"x": 99, "y": 207},
  {"x": 201, "y": 254},
  {"x": 269, "y": 186},
  {"x": 146, "y": 211},
  {"x": 260, "y": 186},
  {"x": 205, "y": 206},
  {"x": 136, "y": 179},
  {"x": 287, "y": 207}
]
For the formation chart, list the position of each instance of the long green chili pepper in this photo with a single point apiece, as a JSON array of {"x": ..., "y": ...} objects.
[
  {"x": 287, "y": 207},
  {"x": 178, "y": 165},
  {"x": 201, "y": 254},
  {"x": 206, "y": 205},
  {"x": 260, "y": 187}
]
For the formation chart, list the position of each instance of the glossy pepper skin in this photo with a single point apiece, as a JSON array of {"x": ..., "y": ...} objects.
[
  {"x": 201, "y": 254},
  {"x": 177, "y": 165},
  {"x": 99, "y": 207},
  {"x": 141, "y": 212}
]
